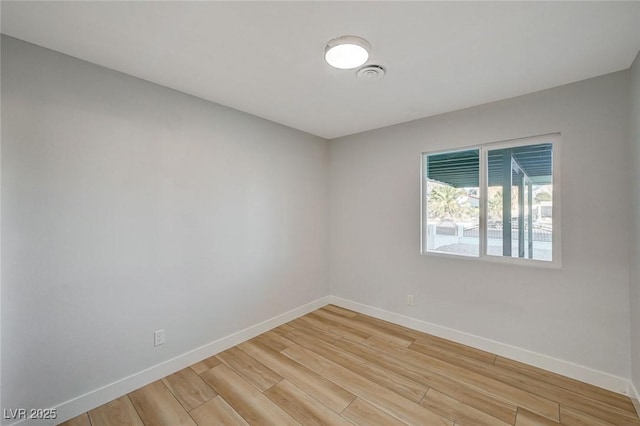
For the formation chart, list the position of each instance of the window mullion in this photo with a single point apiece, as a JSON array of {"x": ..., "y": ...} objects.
[{"x": 484, "y": 191}]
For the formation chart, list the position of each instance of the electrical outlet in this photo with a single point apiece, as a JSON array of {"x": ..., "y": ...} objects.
[
  {"x": 158, "y": 338},
  {"x": 410, "y": 299}
]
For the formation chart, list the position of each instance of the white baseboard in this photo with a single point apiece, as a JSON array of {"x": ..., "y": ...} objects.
[
  {"x": 565, "y": 368},
  {"x": 74, "y": 407},
  {"x": 635, "y": 397}
]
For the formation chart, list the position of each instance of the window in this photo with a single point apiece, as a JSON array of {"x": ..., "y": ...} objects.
[{"x": 498, "y": 201}]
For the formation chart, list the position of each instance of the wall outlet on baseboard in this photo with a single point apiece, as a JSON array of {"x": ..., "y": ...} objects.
[
  {"x": 158, "y": 338},
  {"x": 410, "y": 299}
]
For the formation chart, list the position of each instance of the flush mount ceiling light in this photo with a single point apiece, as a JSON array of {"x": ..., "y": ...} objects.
[{"x": 347, "y": 52}]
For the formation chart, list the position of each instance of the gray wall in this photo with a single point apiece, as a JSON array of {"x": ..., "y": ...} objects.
[
  {"x": 635, "y": 233},
  {"x": 128, "y": 207},
  {"x": 579, "y": 313}
]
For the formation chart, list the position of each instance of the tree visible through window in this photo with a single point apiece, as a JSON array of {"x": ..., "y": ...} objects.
[{"x": 494, "y": 200}]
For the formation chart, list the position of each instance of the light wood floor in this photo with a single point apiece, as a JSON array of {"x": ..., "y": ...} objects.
[{"x": 337, "y": 367}]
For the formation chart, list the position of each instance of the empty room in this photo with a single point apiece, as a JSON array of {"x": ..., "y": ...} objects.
[{"x": 319, "y": 213}]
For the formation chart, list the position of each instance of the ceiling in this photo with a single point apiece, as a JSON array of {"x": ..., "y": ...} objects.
[{"x": 266, "y": 58}]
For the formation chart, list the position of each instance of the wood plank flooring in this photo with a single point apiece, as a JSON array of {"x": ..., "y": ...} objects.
[{"x": 337, "y": 367}]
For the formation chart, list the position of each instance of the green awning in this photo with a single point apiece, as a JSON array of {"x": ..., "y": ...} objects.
[{"x": 461, "y": 169}]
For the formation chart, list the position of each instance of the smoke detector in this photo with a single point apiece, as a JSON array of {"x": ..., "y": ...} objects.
[{"x": 371, "y": 72}]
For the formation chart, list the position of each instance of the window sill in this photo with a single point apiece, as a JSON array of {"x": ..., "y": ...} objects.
[{"x": 542, "y": 264}]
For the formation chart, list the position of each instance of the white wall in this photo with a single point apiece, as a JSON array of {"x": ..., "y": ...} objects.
[
  {"x": 635, "y": 233},
  {"x": 128, "y": 207},
  {"x": 578, "y": 314}
]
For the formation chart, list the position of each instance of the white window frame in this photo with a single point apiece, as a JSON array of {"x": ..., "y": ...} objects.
[{"x": 556, "y": 262}]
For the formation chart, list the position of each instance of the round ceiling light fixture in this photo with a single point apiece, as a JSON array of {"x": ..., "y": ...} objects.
[{"x": 347, "y": 52}]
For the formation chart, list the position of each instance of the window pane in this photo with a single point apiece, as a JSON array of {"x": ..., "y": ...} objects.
[
  {"x": 519, "y": 204},
  {"x": 452, "y": 207}
]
